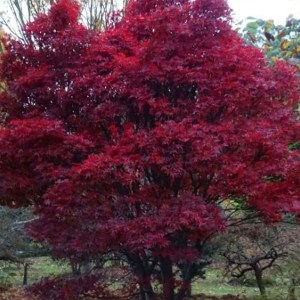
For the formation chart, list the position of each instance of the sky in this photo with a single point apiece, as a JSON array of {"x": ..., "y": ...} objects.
[{"x": 278, "y": 10}]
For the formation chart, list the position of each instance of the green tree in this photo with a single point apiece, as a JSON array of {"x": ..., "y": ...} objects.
[{"x": 278, "y": 41}]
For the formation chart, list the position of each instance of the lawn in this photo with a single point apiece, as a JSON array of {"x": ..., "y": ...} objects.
[
  {"x": 215, "y": 283},
  {"x": 39, "y": 267}
]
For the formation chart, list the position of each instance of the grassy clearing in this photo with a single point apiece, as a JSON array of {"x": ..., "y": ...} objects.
[
  {"x": 12, "y": 274},
  {"x": 214, "y": 285},
  {"x": 217, "y": 285},
  {"x": 45, "y": 266}
]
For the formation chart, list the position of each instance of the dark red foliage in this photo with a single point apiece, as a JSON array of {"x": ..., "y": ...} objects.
[
  {"x": 128, "y": 140},
  {"x": 95, "y": 286}
]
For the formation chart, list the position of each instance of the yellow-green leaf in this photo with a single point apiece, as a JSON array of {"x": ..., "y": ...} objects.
[{"x": 285, "y": 44}]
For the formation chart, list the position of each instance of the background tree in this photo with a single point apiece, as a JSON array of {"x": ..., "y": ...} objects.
[
  {"x": 16, "y": 13},
  {"x": 254, "y": 249},
  {"x": 2, "y": 35},
  {"x": 278, "y": 41},
  {"x": 96, "y": 14},
  {"x": 129, "y": 141}
]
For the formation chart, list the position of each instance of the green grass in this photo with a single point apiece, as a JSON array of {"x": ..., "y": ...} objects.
[
  {"x": 216, "y": 285},
  {"x": 40, "y": 267},
  {"x": 45, "y": 266}
]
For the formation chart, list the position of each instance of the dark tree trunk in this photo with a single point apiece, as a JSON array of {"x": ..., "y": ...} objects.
[
  {"x": 187, "y": 273},
  {"x": 75, "y": 269},
  {"x": 141, "y": 269},
  {"x": 146, "y": 292},
  {"x": 189, "y": 290},
  {"x": 25, "y": 275},
  {"x": 167, "y": 279},
  {"x": 185, "y": 292},
  {"x": 259, "y": 281}
]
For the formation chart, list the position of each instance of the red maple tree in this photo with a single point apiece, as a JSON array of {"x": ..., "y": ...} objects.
[{"x": 127, "y": 141}]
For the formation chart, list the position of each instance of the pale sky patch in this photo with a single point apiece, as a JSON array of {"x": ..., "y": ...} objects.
[{"x": 278, "y": 10}]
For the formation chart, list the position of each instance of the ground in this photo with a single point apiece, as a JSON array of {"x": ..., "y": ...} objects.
[{"x": 215, "y": 286}]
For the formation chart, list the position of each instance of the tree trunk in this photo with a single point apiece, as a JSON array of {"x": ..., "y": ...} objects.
[
  {"x": 146, "y": 292},
  {"x": 25, "y": 275},
  {"x": 187, "y": 273},
  {"x": 259, "y": 281},
  {"x": 75, "y": 269},
  {"x": 189, "y": 290},
  {"x": 141, "y": 269},
  {"x": 167, "y": 279},
  {"x": 185, "y": 292}
]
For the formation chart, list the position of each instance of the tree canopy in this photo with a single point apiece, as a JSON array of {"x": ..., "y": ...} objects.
[{"x": 128, "y": 141}]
